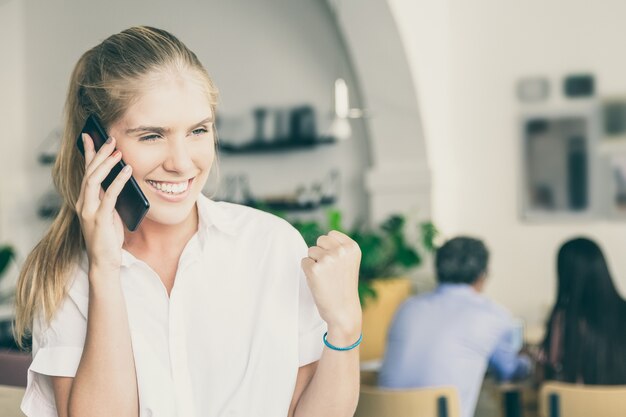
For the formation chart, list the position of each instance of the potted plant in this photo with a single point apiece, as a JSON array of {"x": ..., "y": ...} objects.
[{"x": 387, "y": 256}]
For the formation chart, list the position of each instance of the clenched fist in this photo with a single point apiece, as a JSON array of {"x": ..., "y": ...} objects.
[{"x": 332, "y": 271}]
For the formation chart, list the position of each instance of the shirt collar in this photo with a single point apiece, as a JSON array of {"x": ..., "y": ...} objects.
[
  {"x": 128, "y": 258},
  {"x": 456, "y": 288},
  {"x": 210, "y": 215}
]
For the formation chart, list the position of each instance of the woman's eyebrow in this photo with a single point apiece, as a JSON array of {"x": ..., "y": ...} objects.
[
  {"x": 162, "y": 130},
  {"x": 156, "y": 129},
  {"x": 201, "y": 122}
]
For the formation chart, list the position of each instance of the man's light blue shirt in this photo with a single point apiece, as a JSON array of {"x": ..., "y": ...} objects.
[{"x": 449, "y": 337}]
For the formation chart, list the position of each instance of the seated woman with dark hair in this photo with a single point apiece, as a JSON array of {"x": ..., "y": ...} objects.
[{"x": 585, "y": 338}]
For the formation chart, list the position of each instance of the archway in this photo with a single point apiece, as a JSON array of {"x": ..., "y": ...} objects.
[{"x": 399, "y": 178}]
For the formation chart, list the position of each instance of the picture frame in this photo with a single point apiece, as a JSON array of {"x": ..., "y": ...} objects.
[{"x": 560, "y": 173}]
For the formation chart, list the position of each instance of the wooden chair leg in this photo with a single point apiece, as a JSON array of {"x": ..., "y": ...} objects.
[
  {"x": 554, "y": 405},
  {"x": 442, "y": 407},
  {"x": 513, "y": 404}
]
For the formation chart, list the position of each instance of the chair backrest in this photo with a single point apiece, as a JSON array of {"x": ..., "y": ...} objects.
[
  {"x": 558, "y": 399},
  {"x": 415, "y": 402},
  {"x": 378, "y": 314}
]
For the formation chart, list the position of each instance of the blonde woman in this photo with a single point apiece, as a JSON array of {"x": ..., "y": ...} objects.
[{"x": 208, "y": 309}]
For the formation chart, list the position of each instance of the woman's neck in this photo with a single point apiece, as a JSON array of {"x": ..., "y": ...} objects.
[{"x": 152, "y": 237}]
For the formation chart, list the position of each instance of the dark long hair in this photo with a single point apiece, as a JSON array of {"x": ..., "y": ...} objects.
[{"x": 586, "y": 333}]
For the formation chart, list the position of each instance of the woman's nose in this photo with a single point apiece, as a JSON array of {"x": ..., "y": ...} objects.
[{"x": 179, "y": 158}]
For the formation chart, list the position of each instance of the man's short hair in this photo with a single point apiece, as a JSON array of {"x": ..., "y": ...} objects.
[{"x": 461, "y": 260}]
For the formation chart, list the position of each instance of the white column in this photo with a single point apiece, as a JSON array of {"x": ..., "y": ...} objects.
[{"x": 399, "y": 178}]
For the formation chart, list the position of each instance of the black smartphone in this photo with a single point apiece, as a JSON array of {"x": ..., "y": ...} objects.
[{"x": 132, "y": 205}]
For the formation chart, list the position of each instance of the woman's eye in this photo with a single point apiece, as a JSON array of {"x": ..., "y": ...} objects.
[
  {"x": 199, "y": 131},
  {"x": 148, "y": 138}
]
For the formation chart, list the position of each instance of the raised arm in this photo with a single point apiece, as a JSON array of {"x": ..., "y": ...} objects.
[
  {"x": 330, "y": 387},
  {"x": 105, "y": 383}
]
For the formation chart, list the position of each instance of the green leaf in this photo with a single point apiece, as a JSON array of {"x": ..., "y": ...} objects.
[
  {"x": 334, "y": 220},
  {"x": 408, "y": 257},
  {"x": 429, "y": 233},
  {"x": 394, "y": 224}
]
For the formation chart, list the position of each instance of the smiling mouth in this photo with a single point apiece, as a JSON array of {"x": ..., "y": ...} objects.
[{"x": 172, "y": 188}]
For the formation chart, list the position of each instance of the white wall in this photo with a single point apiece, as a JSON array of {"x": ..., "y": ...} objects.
[
  {"x": 13, "y": 190},
  {"x": 466, "y": 58},
  {"x": 260, "y": 53}
]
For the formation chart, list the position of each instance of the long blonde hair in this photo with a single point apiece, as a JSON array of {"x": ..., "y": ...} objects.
[{"x": 105, "y": 81}]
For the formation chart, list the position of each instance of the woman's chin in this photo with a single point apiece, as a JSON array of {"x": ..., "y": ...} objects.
[{"x": 170, "y": 214}]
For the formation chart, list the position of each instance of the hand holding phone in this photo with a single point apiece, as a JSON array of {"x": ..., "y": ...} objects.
[{"x": 132, "y": 205}]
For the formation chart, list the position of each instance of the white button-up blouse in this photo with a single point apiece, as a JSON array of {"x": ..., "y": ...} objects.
[{"x": 239, "y": 322}]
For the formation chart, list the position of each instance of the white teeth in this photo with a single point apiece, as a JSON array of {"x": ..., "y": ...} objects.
[{"x": 170, "y": 188}]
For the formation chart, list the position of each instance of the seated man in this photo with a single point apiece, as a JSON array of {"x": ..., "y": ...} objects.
[{"x": 451, "y": 335}]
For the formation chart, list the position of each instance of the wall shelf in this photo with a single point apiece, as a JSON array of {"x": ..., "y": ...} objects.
[
  {"x": 289, "y": 205},
  {"x": 262, "y": 147},
  {"x": 46, "y": 158}
]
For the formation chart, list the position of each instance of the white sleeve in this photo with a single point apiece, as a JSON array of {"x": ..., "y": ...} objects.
[
  {"x": 310, "y": 324},
  {"x": 57, "y": 349}
]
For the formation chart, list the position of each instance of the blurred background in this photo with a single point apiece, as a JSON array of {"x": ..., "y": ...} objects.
[{"x": 501, "y": 120}]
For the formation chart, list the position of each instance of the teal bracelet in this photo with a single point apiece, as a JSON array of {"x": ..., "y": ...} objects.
[{"x": 352, "y": 346}]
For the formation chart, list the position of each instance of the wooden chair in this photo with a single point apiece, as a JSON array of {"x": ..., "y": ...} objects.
[
  {"x": 416, "y": 402},
  {"x": 378, "y": 314},
  {"x": 557, "y": 399}
]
